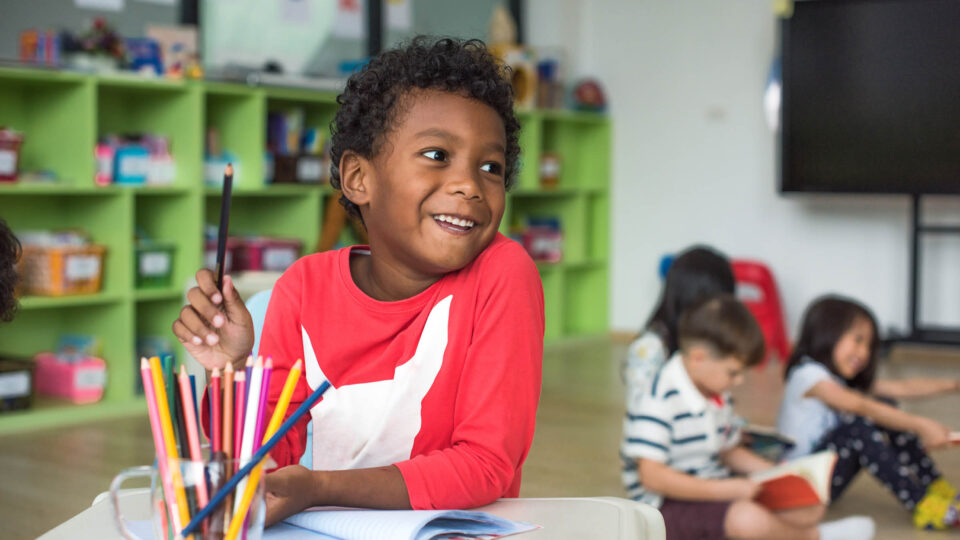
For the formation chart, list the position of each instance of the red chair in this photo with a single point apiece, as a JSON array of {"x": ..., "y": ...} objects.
[{"x": 757, "y": 290}]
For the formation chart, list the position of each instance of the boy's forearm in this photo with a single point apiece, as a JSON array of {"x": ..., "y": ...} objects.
[
  {"x": 742, "y": 460},
  {"x": 673, "y": 484},
  {"x": 379, "y": 488}
]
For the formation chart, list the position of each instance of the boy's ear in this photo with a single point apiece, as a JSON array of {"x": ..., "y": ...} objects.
[{"x": 355, "y": 177}]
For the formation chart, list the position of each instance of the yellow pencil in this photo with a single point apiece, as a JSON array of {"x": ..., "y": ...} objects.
[
  {"x": 167, "y": 425},
  {"x": 278, "y": 414}
]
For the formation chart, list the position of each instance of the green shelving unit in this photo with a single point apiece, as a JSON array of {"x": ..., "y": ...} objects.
[{"x": 63, "y": 113}]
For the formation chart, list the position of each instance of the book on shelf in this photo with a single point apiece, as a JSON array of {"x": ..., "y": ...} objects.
[{"x": 800, "y": 482}]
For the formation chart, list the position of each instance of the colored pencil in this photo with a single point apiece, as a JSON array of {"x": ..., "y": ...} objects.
[
  {"x": 193, "y": 439},
  {"x": 215, "y": 409},
  {"x": 278, "y": 413},
  {"x": 262, "y": 409},
  {"x": 228, "y": 410},
  {"x": 193, "y": 389},
  {"x": 267, "y": 446},
  {"x": 249, "y": 370},
  {"x": 180, "y": 496},
  {"x": 240, "y": 394},
  {"x": 249, "y": 422},
  {"x": 224, "y": 223},
  {"x": 155, "y": 427}
]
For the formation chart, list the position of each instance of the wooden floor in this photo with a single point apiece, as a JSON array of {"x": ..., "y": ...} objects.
[{"x": 49, "y": 476}]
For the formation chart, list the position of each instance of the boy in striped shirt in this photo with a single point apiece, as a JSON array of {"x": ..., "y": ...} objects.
[{"x": 681, "y": 439}]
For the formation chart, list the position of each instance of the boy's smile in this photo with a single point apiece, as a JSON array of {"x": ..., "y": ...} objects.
[{"x": 432, "y": 195}]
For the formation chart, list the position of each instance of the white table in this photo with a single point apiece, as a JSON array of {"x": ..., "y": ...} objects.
[{"x": 606, "y": 518}]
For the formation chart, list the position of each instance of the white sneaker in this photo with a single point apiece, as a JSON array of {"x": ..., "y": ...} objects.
[{"x": 850, "y": 528}]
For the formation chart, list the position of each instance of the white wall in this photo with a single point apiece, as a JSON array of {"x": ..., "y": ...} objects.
[{"x": 693, "y": 161}]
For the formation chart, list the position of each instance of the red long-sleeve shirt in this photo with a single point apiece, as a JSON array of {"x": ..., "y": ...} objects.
[{"x": 444, "y": 385}]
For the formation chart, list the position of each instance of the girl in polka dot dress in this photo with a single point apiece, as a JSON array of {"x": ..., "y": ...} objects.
[{"x": 833, "y": 401}]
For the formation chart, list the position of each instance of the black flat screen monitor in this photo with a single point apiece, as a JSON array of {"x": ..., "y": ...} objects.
[{"x": 871, "y": 97}]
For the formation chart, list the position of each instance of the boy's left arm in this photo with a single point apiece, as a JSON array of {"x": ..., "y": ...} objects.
[{"x": 742, "y": 460}]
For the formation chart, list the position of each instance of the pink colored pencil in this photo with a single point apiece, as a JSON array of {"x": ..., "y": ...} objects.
[
  {"x": 262, "y": 409},
  {"x": 215, "y": 425},
  {"x": 193, "y": 437},
  {"x": 238, "y": 410},
  {"x": 158, "y": 442}
]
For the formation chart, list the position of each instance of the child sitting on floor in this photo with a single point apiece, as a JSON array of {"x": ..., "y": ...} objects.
[
  {"x": 832, "y": 400},
  {"x": 432, "y": 336},
  {"x": 683, "y": 441},
  {"x": 699, "y": 272}
]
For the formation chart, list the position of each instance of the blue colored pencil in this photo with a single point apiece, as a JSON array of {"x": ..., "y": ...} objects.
[{"x": 227, "y": 488}]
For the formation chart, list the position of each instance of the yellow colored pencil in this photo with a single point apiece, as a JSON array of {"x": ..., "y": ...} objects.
[
  {"x": 167, "y": 425},
  {"x": 278, "y": 414}
]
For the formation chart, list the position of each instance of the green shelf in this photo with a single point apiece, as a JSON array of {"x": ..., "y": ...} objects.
[
  {"x": 169, "y": 293},
  {"x": 48, "y": 413},
  {"x": 63, "y": 113},
  {"x": 49, "y": 302}
]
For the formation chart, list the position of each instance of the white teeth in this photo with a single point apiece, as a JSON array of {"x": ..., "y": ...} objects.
[{"x": 455, "y": 221}]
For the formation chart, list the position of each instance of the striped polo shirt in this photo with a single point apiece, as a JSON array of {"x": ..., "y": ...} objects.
[{"x": 674, "y": 423}]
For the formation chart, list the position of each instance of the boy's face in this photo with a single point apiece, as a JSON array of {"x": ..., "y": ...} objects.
[
  {"x": 712, "y": 374},
  {"x": 435, "y": 189}
]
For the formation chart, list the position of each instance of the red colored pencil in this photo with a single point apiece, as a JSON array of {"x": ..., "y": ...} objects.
[
  {"x": 238, "y": 410},
  {"x": 215, "y": 409}
]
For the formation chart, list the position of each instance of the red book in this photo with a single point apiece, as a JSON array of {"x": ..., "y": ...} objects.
[{"x": 801, "y": 482}]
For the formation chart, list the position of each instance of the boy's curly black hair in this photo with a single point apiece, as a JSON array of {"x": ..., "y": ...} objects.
[
  {"x": 368, "y": 103},
  {"x": 9, "y": 254}
]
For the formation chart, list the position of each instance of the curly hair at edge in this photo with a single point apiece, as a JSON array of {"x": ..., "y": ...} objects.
[
  {"x": 9, "y": 253},
  {"x": 368, "y": 104}
]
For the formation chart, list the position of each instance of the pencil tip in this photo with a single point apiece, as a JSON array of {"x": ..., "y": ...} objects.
[
  {"x": 259, "y": 363},
  {"x": 241, "y": 376},
  {"x": 228, "y": 368},
  {"x": 268, "y": 364},
  {"x": 229, "y": 170},
  {"x": 183, "y": 370},
  {"x": 299, "y": 364},
  {"x": 250, "y": 361},
  {"x": 216, "y": 372},
  {"x": 143, "y": 362}
]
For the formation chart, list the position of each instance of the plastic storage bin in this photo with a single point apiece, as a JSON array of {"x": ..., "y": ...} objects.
[
  {"x": 79, "y": 382},
  {"x": 270, "y": 254},
  {"x": 16, "y": 384},
  {"x": 62, "y": 270},
  {"x": 153, "y": 264}
]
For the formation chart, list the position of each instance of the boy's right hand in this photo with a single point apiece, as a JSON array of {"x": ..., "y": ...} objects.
[
  {"x": 740, "y": 488},
  {"x": 215, "y": 328}
]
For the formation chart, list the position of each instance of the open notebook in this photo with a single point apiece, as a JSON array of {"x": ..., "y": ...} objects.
[{"x": 352, "y": 524}]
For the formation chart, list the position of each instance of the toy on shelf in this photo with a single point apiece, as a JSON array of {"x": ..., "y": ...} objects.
[
  {"x": 75, "y": 372},
  {"x": 549, "y": 170},
  {"x": 60, "y": 263},
  {"x": 543, "y": 239},
  {"x": 40, "y": 47},
  {"x": 100, "y": 49},
  {"x": 503, "y": 44},
  {"x": 10, "y": 142},
  {"x": 588, "y": 96},
  {"x": 550, "y": 62}
]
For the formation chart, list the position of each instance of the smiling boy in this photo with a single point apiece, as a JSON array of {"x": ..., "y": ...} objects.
[{"x": 431, "y": 336}]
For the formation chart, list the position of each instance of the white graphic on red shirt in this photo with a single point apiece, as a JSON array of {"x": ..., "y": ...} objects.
[{"x": 375, "y": 424}]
